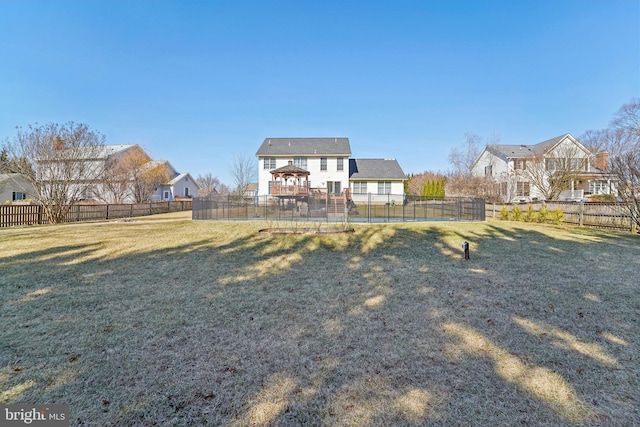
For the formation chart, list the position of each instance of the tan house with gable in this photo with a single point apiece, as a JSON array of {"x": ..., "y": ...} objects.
[{"x": 511, "y": 168}]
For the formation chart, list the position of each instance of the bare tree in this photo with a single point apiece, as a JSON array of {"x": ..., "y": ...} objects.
[
  {"x": 116, "y": 181},
  {"x": 624, "y": 162},
  {"x": 243, "y": 172},
  {"x": 462, "y": 158},
  {"x": 147, "y": 178},
  {"x": 209, "y": 185},
  {"x": 594, "y": 140},
  {"x": 59, "y": 161},
  {"x": 622, "y": 141},
  {"x": 628, "y": 117},
  {"x": 461, "y": 181}
]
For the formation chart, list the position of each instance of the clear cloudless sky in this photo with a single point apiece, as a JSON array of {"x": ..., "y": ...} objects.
[{"x": 196, "y": 82}]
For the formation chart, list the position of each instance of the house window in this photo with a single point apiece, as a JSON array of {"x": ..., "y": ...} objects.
[
  {"x": 555, "y": 164},
  {"x": 269, "y": 187},
  {"x": 503, "y": 189},
  {"x": 598, "y": 187},
  {"x": 340, "y": 164},
  {"x": 359, "y": 187},
  {"x": 186, "y": 192},
  {"x": 578, "y": 164},
  {"x": 300, "y": 162},
  {"x": 269, "y": 163},
  {"x": 488, "y": 170},
  {"x": 384, "y": 187},
  {"x": 166, "y": 195},
  {"x": 323, "y": 163},
  {"x": 18, "y": 195},
  {"x": 522, "y": 189},
  {"x": 520, "y": 164}
]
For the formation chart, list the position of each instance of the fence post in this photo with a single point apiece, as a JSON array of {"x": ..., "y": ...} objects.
[{"x": 581, "y": 213}]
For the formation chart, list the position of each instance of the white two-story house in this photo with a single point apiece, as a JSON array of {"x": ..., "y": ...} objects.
[
  {"x": 524, "y": 172},
  {"x": 325, "y": 159},
  {"x": 301, "y": 166}
]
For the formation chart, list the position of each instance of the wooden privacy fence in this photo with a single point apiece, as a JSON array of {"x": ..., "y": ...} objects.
[
  {"x": 14, "y": 215},
  {"x": 590, "y": 214}
]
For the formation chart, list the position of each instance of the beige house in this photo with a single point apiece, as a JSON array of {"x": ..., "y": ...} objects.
[
  {"x": 512, "y": 167},
  {"x": 14, "y": 188}
]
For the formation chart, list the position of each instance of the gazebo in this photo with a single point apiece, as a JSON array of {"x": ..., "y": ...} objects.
[{"x": 290, "y": 181}]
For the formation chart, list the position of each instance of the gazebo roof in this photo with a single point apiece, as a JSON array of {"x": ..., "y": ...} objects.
[{"x": 290, "y": 170}]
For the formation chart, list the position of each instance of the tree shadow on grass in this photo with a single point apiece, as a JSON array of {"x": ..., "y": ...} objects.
[{"x": 388, "y": 326}]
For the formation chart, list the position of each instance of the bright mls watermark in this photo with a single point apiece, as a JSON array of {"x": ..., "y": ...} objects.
[{"x": 34, "y": 415}]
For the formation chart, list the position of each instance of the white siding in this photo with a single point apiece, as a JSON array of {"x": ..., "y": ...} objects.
[
  {"x": 396, "y": 195},
  {"x": 317, "y": 177}
]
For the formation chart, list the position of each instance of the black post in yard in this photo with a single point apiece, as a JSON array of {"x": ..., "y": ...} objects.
[{"x": 465, "y": 248}]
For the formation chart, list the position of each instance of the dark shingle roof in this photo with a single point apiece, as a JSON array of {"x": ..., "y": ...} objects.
[
  {"x": 305, "y": 147},
  {"x": 516, "y": 151},
  {"x": 378, "y": 169}
]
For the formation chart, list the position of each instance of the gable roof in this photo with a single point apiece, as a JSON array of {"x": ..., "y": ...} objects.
[
  {"x": 305, "y": 147},
  {"x": 378, "y": 169},
  {"x": 94, "y": 152},
  {"x": 510, "y": 151},
  {"x": 180, "y": 177}
]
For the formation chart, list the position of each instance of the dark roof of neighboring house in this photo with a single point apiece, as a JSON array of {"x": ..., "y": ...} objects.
[
  {"x": 378, "y": 169},
  {"x": 523, "y": 150},
  {"x": 305, "y": 147}
]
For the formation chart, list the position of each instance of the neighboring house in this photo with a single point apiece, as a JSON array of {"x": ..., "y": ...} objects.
[
  {"x": 108, "y": 182},
  {"x": 326, "y": 160},
  {"x": 511, "y": 167},
  {"x": 181, "y": 186},
  {"x": 376, "y": 180},
  {"x": 300, "y": 166},
  {"x": 15, "y": 188},
  {"x": 251, "y": 192}
]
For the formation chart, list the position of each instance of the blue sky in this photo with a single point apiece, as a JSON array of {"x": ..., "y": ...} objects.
[{"x": 196, "y": 82}]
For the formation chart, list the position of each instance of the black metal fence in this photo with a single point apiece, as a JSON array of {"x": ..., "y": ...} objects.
[{"x": 364, "y": 208}]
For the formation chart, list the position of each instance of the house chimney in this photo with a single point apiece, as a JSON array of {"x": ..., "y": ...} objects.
[{"x": 602, "y": 161}]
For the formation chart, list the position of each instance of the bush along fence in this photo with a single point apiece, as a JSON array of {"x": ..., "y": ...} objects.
[
  {"x": 14, "y": 215},
  {"x": 590, "y": 214},
  {"x": 362, "y": 208}
]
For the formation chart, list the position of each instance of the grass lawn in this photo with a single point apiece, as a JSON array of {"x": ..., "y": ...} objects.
[{"x": 168, "y": 321}]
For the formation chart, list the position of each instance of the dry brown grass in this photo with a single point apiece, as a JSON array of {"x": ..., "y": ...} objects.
[{"x": 174, "y": 322}]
